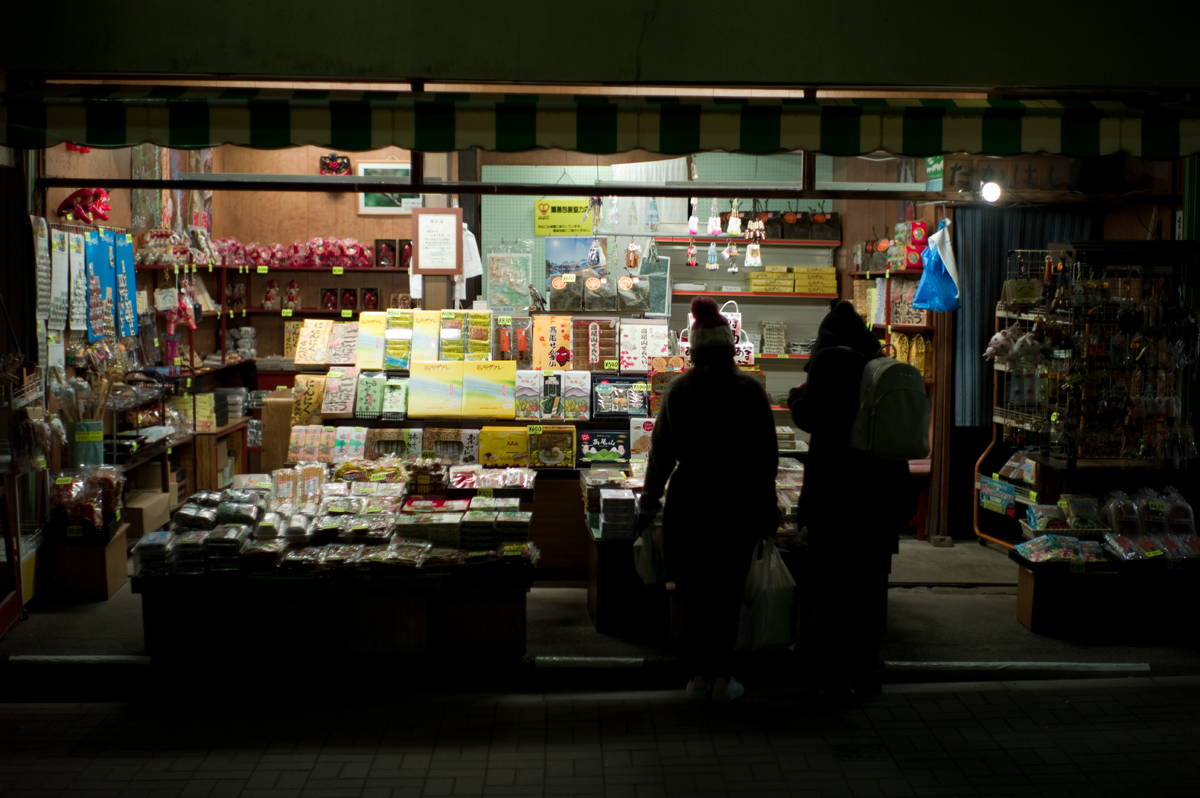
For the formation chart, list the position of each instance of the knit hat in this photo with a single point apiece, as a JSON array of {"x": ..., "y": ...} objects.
[{"x": 709, "y": 327}]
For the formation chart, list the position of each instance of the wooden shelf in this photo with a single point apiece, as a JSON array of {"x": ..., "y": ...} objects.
[
  {"x": 325, "y": 270},
  {"x": 307, "y": 312},
  {"x": 762, "y": 294},
  {"x": 233, "y": 426},
  {"x": 783, "y": 357},
  {"x": 904, "y": 327}
]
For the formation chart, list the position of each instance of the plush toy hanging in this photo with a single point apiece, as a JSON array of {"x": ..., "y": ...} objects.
[
  {"x": 652, "y": 217},
  {"x": 735, "y": 220},
  {"x": 691, "y": 254},
  {"x": 712, "y": 254},
  {"x": 714, "y": 220},
  {"x": 85, "y": 205},
  {"x": 652, "y": 250},
  {"x": 632, "y": 256},
  {"x": 334, "y": 164},
  {"x": 693, "y": 220}
]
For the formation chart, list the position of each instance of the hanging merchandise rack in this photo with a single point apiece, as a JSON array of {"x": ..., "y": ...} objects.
[{"x": 1094, "y": 353}]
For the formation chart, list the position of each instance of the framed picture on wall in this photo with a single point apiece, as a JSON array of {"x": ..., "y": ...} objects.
[
  {"x": 386, "y": 203},
  {"x": 437, "y": 241}
]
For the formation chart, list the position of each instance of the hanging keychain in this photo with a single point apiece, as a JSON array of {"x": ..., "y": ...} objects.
[
  {"x": 596, "y": 210},
  {"x": 714, "y": 220},
  {"x": 614, "y": 212},
  {"x": 733, "y": 255},
  {"x": 652, "y": 217},
  {"x": 693, "y": 220},
  {"x": 735, "y": 220},
  {"x": 691, "y": 254},
  {"x": 632, "y": 256},
  {"x": 633, "y": 214},
  {"x": 712, "y": 256},
  {"x": 593, "y": 258}
]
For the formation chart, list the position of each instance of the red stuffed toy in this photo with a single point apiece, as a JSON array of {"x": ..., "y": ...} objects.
[{"x": 86, "y": 205}]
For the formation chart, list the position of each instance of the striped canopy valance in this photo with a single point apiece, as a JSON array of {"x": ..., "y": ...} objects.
[{"x": 185, "y": 117}]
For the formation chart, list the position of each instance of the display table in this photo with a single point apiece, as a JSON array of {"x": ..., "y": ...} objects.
[
  {"x": 473, "y": 610},
  {"x": 619, "y": 603}
]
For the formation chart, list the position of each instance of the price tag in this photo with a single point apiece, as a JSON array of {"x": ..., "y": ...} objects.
[
  {"x": 169, "y": 450},
  {"x": 535, "y": 429},
  {"x": 374, "y": 509},
  {"x": 231, "y": 313},
  {"x": 485, "y": 493},
  {"x": 1033, "y": 496},
  {"x": 611, "y": 364},
  {"x": 41, "y": 462},
  {"x": 210, "y": 265},
  {"x": 640, "y": 386},
  {"x": 281, "y": 387},
  {"x": 129, "y": 238},
  {"x": 1155, "y": 553},
  {"x": 889, "y": 329},
  {"x": 428, "y": 454},
  {"x": 506, "y": 320},
  {"x": 74, "y": 531},
  {"x": 995, "y": 475},
  {"x": 189, "y": 382},
  {"x": 1157, "y": 507},
  {"x": 178, "y": 361},
  {"x": 89, "y": 437},
  {"x": 133, "y": 446},
  {"x": 286, "y": 312},
  {"x": 346, "y": 314},
  {"x": 378, "y": 477},
  {"x": 262, "y": 270},
  {"x": 1174, "y": 565},
  {"x": 568, "y": 278},
  {"x": 1076, "y": 567},
  {"x": 243, "y": 313},
  {"x": 447, "y": 314},
  {"x": 118, "y": 514},
  {"x": 1062, "y": 503},
  {"x": 63, "y": 481},
  {"x": 339, "y": 270}
]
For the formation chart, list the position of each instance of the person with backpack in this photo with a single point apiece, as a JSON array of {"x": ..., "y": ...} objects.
[
  {"x": 858, "y": 494},
  {"x": 722, "y": 500}
]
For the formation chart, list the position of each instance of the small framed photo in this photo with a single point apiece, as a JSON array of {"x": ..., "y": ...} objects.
[{"x": 386, "y": 203}]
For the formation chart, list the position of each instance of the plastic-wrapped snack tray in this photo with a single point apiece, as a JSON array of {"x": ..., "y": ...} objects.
[
  {"x": 192, "y": 538},
  {"x": 508, "y": 504},
  {"x": 235, "y": 513},
  {"x": 335, "y": 489},
  {"x": 436, "y": 557},
  {"x": 424, "y": 506},
  {"x": 301, "y": 560},
  {"x": 229, "y": 537},
  {"x": 159, "y": 542},
  {"x": 261, "y": 555},
  {"x": 465, "y": 476},
  {"x": 311, "y": 509},
  {"x": 257, "y": 483},
  {"x": 1171, "y": 547},
  {"x": 206, "y": 498},
  {"x": 1122, "y": 547},
  {"x": 297, "y": 526},
  {"x": 240, "y": 496},
  {"x": 338, "y": 557},
  {"x": 367, "y": 529},
  {"x": 269, "y": 526},
  {"x": 1120, "y": 514},
  {"x": 483, "y": 503},
  {"x": 197, "y": 518},
  {"x": 382, "y": 504},
  {"x": 1091, "y": 551},
  {"x": 520, "y": 552},
  {"x": 347, "y": 505},
  {"x": 1151, "y": 511},
  {"x": 1050, "y": 548}
]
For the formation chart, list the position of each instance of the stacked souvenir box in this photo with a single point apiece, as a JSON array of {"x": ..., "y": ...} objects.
[
  {"x": 908, "y": 242},
  {"x": 478, "y": 530},
  {"x": 815, "y": 279},
  {"x": 772, "y": 280},
  {"x": 189, "y": 556},
  {"x": 512, "y": 526},
  {"x": 224, "y": 545},
  {"x": 618, "y": 508},
  {"x": 151, "y": 553},
  {"x": 774, "y": 337}
]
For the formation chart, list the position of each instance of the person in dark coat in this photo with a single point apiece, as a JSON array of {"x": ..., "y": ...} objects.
[
  {"x": 854, "y": 505},
  {"x": 716, "y": 432}
]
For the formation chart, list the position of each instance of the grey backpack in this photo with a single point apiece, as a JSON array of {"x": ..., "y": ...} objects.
[{"x": 893, "y": 411}]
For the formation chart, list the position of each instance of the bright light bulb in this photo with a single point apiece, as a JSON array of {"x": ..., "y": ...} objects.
[{"x": 990, "y": 191}]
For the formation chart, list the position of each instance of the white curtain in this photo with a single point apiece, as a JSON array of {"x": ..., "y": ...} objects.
[{"x": 657, "y": 173}]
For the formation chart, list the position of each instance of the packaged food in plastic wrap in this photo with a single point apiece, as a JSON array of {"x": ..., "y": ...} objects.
[
  {"x": 235, "y": 513},
  {"x": 297, "y": 526},
  {"x": 192, "y": 516},
  {"x": 301, "y": 560},
  {"x": 269, "y": 526},
  {"x": 1181, "y": 522},
  {"x": 229, "y": 538},
  {"x": 1120, "y": 514},
  {"x": 338, "y": 558},
  {"x": 1122, "y": 547},
  {"x": 342, "y": 505},
  {"x": 206, "y": 498},
  {"x": 262, "y": 555}
]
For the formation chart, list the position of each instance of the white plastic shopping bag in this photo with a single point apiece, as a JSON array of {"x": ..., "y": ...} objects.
[{"x": 768, "y": 618}]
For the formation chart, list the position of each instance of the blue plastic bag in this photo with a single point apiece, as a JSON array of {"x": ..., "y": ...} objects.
[{"x": 938, "y": 288}]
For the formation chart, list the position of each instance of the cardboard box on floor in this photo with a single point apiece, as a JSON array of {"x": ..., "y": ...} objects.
[
  {"x": 92, "y": 570},
  {"x": 146, "y": 511}
]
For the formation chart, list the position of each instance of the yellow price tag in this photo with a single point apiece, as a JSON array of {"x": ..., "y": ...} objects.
[
  {"x": 129, "y": 238},
  {"x": 339, "y": 270},
  {"x": 281, "y": 387},
  {"x": 231, "y": 313},
  {"x": 210, "y": 265},
  {"x": 63, "y": 481},
  {"x": 611, "y": 364},
  {"x": 1154, "y": 553},
  {"x": 378, "y": 477},
  {"x": 428, "y": 454},
  {"x": 640, "y": 386},
  {"x": 995, "y": 475},
  {"x": 243, "y": 313},
  {"x": 74, "y": 531},
  {"x": 118, "y": 513},
  {"x": 189, "y": 382},
  {"x": 447, "y": 314},
  {"x": 133, "y": 444},
  {"x": 347, "y": 314},
  {"x": 1062, "y": 503},
  {"x": 568, "y": 278},
  {"x": 286, "y": 312},
  {"x": 169, "y": 450},
  {"x": 486, "y": 493},
  {"x": 1033, "y": 496},
  {"x": 262, "y": 269},
  {"x": 535, "y": 429},
  {"x": 178, "y": 361},
  {"x": 505, "y": 320}
]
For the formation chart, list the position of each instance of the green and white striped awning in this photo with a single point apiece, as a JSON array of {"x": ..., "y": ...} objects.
[{"x": 185, "y": 117}]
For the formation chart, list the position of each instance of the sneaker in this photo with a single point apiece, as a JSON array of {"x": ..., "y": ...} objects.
[
  {"x": 732, "y": 691},
  {"x": 695, "y": 693}
]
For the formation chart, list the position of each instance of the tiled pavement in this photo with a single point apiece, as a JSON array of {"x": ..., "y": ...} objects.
[{"x": 1118, "y": 738}]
